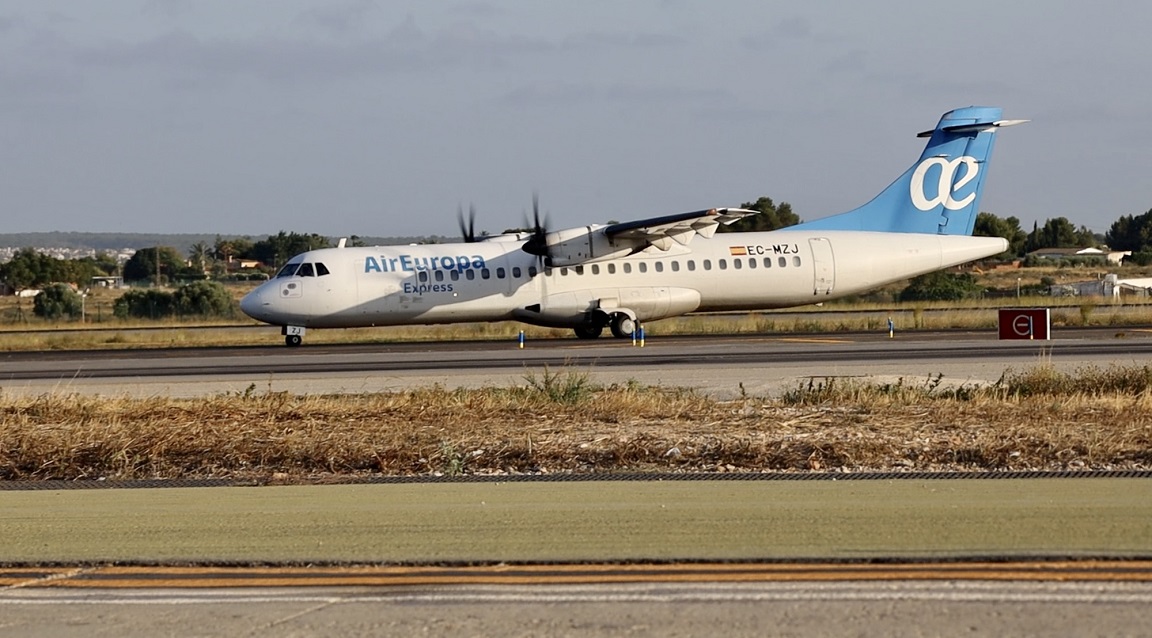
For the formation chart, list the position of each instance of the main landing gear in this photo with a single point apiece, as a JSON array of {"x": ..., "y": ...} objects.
[{"x": 621, "y": 324}]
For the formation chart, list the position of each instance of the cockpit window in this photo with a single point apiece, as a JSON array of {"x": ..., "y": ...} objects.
[
  {"x": 321, "y": 269},
  {"x": 288, "y": 270},
  {"x": 305, "y": 271}
]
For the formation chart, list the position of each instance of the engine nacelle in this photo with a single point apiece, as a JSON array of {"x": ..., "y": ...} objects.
[{"x": 575, "y": 246}]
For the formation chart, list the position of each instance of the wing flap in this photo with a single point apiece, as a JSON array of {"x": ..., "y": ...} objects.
[{"x": 679, "y": 228}]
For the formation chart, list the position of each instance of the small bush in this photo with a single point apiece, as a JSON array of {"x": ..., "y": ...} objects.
[
  {"x": 58, "y": 301},
  {"x": 203, "y": 299},
  {"x": 143, "y": 304}
]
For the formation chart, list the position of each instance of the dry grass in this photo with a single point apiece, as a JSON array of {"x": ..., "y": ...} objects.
[{"x": 560, "y": 422}]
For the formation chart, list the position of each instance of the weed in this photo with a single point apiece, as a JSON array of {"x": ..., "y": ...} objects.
[{"x": 569, "y": 387}]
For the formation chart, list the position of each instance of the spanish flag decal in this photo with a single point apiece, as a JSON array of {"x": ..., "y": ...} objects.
[{"x": 738, "y": 251}]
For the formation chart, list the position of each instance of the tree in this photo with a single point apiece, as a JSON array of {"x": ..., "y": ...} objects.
[
  {"x": 279, "y": 248},
  {"x": 989, "y": 225},
  {"x": 200, "y": 256},
  {"x": 1131, "y": 233},
  {"x": 142, "y": 265},
  {"x": 941, "y": 286},
  {"x": 58, "y": 301},
  {"x": 1059, "y": 233},
  {"x": 31, "y": 269},
  {"x": 105, "y": 263},
  {"x": 771, "y": 217}
]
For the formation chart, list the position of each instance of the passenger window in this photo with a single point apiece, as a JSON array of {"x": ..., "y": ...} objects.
[
  {"x": 737, "y": 264},
  {"x": 659, "y": 266},
  {"x": 516, "y": 271},
  {"x": 707, "y": 264},
  {"x": 563, "y": 272},
  {"x": 767, "y": 262},
  {"x": 675, "y": 266},
  {"x": 454, "y": 275},
  {"x": 627, "y": 268},
  {"x": 321, "y": 269},
  {"x": 796, "y": 260},
  {"x": 469, "y": 274},
  {"x": 439, "y": 275},
  {"x": 422, "y": 276},
  {"x": 532, "y": 272},
  {"x": 595, "y": 269},
  {"x": 691, "y": 264},
  {"x": 485, "y": 273},
  {"x": 579, "y": 270},
  {"x": 611, "y": 269},
  {"x": 643, "y": 266},
  {"x": 751, "y": 262},
  {"x": 500, "y": 273},
  {"x": 288, "y": 270},
  {"x": 723, "y": 264},
  {"x": 783, "y": 262}
]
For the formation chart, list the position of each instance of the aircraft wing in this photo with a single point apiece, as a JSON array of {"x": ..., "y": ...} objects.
[{"x": 679, "y": 228}]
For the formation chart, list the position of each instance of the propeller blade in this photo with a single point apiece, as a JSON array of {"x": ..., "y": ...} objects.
[
  {"x": 537, "y": 243},
  {"x": 467, "y": 231}
]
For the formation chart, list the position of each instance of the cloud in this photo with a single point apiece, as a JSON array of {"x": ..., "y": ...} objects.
[
  {"x": 624, "y": 40},
  {"x": 477, "y": 10},
  {"x": 569, "y": 93},
  {"x": 167, "y": 8},
  {"x": 406, "y": 49},
  {"x": 338, "y": 18}
]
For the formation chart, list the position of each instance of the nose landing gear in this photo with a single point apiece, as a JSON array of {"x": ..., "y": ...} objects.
[{"x": 293, "y": 335}]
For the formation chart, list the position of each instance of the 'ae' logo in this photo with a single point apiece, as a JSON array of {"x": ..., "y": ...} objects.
[{"x": 947, "y": 185}]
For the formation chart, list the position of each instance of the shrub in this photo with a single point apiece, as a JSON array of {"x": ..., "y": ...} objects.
[
  {"x": 144, "y": 304},
  {"x": 58, "y": 301},
  {"x": 204, "y": 299},
  {"x": 941, "y": 286}
]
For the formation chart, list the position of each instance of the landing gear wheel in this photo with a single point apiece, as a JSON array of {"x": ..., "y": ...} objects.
[
  {"x": 293, "y": 341},
  {"x": 622, "y": 326},
  {"x": 589, "y": 331}
]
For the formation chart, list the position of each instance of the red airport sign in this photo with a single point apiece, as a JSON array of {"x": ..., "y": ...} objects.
[{"x": 1024, "y": 323}]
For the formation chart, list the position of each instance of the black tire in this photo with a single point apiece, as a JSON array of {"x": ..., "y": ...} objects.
[
  {"x": 622, "y": 326},
  {"x": 588, "y": 331},
  {"x": 293, "y": 341}
]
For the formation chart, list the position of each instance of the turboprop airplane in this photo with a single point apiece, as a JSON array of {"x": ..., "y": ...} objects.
[{"x": 617, "y": 275}]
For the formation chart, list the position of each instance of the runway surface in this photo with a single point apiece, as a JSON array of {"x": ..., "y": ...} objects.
[
  {"x": 848, "y": 608},
  {"x": 722, "y": 366}
]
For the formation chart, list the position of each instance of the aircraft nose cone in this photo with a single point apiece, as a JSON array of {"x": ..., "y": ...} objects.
[{"x": 253, "y": 304}]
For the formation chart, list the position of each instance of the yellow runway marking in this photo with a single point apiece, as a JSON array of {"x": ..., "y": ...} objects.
[{"x": 381, "y": 576}]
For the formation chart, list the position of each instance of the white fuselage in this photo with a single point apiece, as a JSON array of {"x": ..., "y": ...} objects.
[{"x": 496, "y": 280}]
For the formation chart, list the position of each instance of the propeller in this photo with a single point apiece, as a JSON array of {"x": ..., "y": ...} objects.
[
  {"x": 467, "y": 230},
  {"x": 537, "y": 243}
]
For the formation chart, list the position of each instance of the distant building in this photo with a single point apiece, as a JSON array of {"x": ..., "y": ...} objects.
[
  {"x": 108, "y": 282},
  {"x": 1110, "y": 287},
  {"x": 1112, "y": 256}
]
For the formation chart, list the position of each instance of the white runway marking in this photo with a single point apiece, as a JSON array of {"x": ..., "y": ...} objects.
[{"x": 950, "y": 591}]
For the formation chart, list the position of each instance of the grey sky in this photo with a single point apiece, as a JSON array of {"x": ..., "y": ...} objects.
[{"x": 380, "y": 117}]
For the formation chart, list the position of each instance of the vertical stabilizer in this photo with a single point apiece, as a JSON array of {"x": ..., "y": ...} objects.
[{"x": 940, "y": 193}]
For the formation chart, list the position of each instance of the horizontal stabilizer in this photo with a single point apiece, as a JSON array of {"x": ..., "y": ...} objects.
[{"x": 965, "y": 129}]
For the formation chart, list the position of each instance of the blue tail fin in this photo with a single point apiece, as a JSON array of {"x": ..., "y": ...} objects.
[{"x": 940, "y": 194}]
